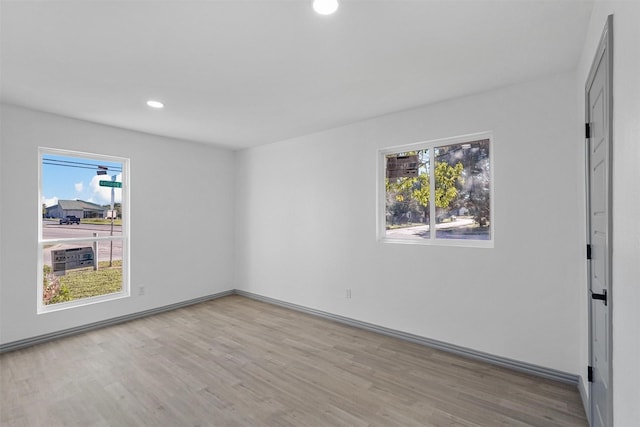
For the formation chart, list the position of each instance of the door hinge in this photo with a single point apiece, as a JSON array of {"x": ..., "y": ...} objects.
[
  {"x": 602, "y": 297},
  {"x": 587, "y": 130},
  {"x": 590, "y": 374},
  {"x": 588, "y": 251}
]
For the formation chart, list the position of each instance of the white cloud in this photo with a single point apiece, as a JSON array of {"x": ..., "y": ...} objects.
[
  {"x": 102, "y": 195},
  {"x": 79, "y": 186},
  {"x": 50, "y": 202}
]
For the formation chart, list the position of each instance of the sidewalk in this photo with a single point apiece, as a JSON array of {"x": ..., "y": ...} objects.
[{"x": 419, "y": 231}]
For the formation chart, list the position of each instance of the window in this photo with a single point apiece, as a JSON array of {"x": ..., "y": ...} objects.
[
  {"x": 437, "y": 192},
  {"x": 83, "y": 229}
]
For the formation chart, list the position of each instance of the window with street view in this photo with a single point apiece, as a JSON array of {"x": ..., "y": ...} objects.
[
  {"x": 438, "y": 192},
  {"x": 83, "y": 229}
]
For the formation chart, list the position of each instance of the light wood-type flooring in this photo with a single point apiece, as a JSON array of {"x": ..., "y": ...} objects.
[{"x": 239, "y": 362}]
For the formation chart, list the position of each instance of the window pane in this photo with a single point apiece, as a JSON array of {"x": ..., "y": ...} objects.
[
  {"x": 407, "y": 195},
  {"x": 83, "y": 238},
  {"x": 80, "y": 197},
  {"x": 52, "y": 229},
  {"x": 81, "y": 270},
  {"x": 462, "y": 195}
]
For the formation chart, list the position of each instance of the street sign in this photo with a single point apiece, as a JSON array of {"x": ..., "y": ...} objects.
[{"x": 113, "y": 184}]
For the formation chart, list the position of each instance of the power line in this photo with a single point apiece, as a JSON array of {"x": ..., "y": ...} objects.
[{"x": 79, "y": 165}]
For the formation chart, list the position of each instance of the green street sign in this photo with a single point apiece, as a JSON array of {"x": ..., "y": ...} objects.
[{"x": 113, "y": 184}]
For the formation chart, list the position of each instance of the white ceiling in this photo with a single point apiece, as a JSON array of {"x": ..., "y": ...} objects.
[{"x": 244, "y": 73}]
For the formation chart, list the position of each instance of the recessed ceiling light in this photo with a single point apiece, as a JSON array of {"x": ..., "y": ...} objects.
[
  {"x": 325, "y": 7},
  {"x": 155, "y": 104}
]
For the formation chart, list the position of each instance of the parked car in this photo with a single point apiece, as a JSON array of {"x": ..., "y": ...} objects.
[{"x": 71, "y": 219}]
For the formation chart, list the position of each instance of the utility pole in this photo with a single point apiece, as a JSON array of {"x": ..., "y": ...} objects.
[
  {"x": 103, "y": 171},
  {"x": 113, "y": 191}
]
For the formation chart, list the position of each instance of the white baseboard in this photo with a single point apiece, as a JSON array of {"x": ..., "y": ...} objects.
[
  {"x": 440, "y": 345},
  {"x": 27, "y": 342},
  {"x": 516, "y": 365},
  {"x": 584, "y": 395}
]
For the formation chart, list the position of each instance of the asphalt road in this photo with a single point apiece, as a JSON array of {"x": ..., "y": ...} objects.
[
  {"x": 53, "y": 230},
  {"x": 422, "y": 231}
]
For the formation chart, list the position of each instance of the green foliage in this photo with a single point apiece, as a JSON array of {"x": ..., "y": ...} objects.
[
  {"x": 463, "y": 185},
  {"x": 62, "y": 295},
  {"x": 82, "y": 283},
  {"x": 85, "y": 284},
  {"x": 447, "y": 178},
  {"x": 52, "y": 291},
  {"x": 421, "y": 190},
  {"x": 417, "y": 189},
  {"x": 101, "y": 221}
]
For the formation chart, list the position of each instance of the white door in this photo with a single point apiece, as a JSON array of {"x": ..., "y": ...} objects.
[{"x": 598, "y": 159}]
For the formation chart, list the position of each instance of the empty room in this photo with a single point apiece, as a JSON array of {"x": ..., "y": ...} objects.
[{"x": 320, "y": 213}]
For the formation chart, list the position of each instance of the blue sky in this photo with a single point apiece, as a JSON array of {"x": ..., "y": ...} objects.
[{"x": 71, "y": 178}]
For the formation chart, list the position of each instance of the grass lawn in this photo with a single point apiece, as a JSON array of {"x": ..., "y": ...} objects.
[
  {"x": 100, "y": 221},
  {"x": 85, "y": 284},
  {"x": 404, "y": 225}
]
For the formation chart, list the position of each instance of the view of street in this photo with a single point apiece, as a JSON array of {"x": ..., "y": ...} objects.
[
  {"x": 52, "y": 229},
  {"x": 458, "y": 228}
]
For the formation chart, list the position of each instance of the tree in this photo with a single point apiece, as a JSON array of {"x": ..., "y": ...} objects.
[
  {"x": 447, "y": 181},
  {"x": 418, "y": 190},
  {"x": 477, "y": 189},
  {"x": 474, "y": 194}
]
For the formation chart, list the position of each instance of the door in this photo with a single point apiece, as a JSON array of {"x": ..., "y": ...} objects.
[{"x": 598, "y": 163}]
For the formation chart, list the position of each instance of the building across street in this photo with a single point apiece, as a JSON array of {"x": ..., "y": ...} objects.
[{"x": 78, "y": 208}]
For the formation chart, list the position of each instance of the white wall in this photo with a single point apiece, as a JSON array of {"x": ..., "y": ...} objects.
[
  {"x": 181, "y": 219},
  {"x": 306, "y": 228},
  {"x": 626, "y": 197}
]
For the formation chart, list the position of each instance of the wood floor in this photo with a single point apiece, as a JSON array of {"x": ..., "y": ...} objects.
[{"x": 239, "y": 362}]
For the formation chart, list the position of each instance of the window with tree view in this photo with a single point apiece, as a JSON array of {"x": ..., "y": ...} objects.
[
  {"x": 83, "y": 229},
  {"x": 439, "y": 192}
]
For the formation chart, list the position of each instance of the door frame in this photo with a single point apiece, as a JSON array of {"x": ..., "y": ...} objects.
[{"x": 604, "y": 53}]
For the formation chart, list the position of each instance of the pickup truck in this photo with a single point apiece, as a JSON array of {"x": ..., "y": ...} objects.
[{"x": 71, "y": 219}]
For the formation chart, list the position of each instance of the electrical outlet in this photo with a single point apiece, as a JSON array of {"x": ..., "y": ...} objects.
[{"x": 141, "y": 290}]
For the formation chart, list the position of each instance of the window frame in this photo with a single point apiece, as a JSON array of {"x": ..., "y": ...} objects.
[
  {"x": 431, "y": 145},
  {"x": 125, "y": 292}
]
